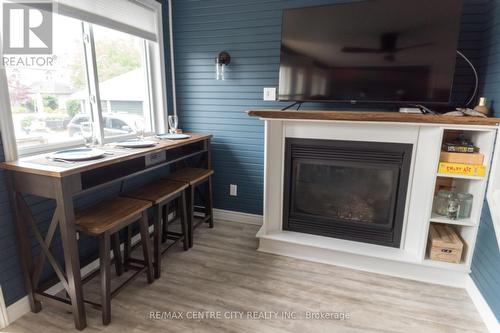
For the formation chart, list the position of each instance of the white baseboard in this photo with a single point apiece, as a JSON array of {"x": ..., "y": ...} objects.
[
  {"x": 489, "y": 318},
  {"x": 382, "y": 266},
  {"x": 4, "y": 319},
  {"x": 232, "y": 216},
  {"x": 17, "y": 310}
]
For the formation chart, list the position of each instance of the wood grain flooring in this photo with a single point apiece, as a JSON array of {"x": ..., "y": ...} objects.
[{"x": 223, "y": 272}]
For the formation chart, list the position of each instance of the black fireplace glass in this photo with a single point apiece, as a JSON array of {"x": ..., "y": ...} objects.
[
  {"x": 354, "y": 193},
  {"x": 351, "y": 190}
]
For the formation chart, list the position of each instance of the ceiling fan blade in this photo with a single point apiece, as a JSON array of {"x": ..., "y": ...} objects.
[
  {"x": 359, "y": 50},
  {"x": 413, "y": 47}
]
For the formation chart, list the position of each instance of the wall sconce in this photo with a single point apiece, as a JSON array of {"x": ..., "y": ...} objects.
[{"x": 221, "y": 61}]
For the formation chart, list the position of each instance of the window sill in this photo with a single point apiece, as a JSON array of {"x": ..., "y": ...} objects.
[{"x": 47, "y": 148}]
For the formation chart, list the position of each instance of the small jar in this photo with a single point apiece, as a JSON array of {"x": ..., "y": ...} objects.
[
  {"x": 441, "y": 201},
  {"x": 465, "y": 200},
  {"x": 453, "y": 208}
]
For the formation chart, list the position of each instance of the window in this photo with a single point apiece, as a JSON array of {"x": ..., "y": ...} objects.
[
  {"x": 105, "y": 71},
  {"x": 44, "y": 99},
  {"x": 122, "y": 76}
]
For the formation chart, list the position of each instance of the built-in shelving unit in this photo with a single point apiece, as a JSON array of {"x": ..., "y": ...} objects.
[
  {"x": 425, "y": 133},
  {"x": 465, "y": 228}
]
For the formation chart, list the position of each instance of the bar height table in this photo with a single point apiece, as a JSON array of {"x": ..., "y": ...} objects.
[{"x": 62, "y": 182}]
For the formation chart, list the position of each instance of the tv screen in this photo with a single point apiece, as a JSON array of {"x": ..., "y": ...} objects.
[{"x": 398, "y": 51}]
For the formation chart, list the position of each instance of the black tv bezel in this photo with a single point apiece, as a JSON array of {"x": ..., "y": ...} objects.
[{"x": 363, "y": 101}]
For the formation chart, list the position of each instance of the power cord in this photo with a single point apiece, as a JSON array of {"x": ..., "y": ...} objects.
[{"x": 476, "y": 86}]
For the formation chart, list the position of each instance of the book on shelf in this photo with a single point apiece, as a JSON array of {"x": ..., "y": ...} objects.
[
  {"x": 460, "y": 148},
  {"x": 462, "y": 169}
]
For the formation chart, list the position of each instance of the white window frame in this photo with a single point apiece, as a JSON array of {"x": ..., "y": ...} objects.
[{"x": 156, "y": 99}]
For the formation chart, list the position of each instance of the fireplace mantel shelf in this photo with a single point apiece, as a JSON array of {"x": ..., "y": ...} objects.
[{"x": 395, "y": 117}]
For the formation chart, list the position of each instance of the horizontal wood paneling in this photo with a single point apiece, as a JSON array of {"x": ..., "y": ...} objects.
[{"x": 486, "y": 260}]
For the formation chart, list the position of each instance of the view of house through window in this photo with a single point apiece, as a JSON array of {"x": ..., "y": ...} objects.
[
  {"x": 42, "y": 98},
  {"x": 122, "y": 81},
  {"x": 50, "y": 105}
]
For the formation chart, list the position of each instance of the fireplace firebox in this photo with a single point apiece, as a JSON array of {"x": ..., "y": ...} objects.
[{"x": 350, "y": 190}]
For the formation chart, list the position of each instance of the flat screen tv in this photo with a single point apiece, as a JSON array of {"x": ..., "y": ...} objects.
[{"x": 396, "y": 51}]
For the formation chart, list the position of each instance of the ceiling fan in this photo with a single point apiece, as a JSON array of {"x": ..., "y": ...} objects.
[{"x": 388, "y": 46}]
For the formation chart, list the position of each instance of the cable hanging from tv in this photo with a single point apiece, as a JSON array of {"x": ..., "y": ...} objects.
[
  {"x": 476, "y": 86},
  {"x": 298, "y": 103}
]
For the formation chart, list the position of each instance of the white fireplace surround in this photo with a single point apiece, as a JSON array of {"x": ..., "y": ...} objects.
[{"x": 409, "y": 260}]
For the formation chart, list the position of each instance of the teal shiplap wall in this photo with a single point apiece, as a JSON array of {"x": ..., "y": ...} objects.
[
  {"x": 486, "y": 263},
  {"x": 486, "y": 260},
  {"x": 10, "y": 270}
]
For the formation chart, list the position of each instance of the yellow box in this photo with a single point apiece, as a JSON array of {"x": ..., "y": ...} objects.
[{"x": 462, "y": 169}]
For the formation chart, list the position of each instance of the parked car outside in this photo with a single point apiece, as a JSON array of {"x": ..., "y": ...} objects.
[{"x": 114, "y": 124}]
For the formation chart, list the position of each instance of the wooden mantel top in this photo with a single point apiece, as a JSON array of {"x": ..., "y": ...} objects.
[{"x": 372, "y": 117}]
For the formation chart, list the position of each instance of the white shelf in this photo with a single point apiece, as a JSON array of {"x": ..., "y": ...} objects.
[
  {"x": 446, "y": 175},
  {"x": 446, "y": 265},
  {"x": 443, "y": 219}
]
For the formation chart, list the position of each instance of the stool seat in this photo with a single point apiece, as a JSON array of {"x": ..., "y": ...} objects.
[
  {"x": 157, "y": 191},
  {"x": 109, "y": 214},
  {"x": 160, "y": 193},
  {"x": 191, "y": 176},
  {"x": 104, "y": 221},
  {"x": 196, "y": 177}
]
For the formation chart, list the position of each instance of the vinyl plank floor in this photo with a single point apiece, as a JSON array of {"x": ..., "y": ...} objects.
[{"x": 224, "y": 275}]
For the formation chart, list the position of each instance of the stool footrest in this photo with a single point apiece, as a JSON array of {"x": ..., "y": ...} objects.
[
  {"x": 167, "y": 247},
  {"x": 95, "y": 305},
  {"x": 117, "y": 290},
  {"x": 201, "y": 220},
  {"x": 60, "y": 302},
  {"x": 174, "y": 235}
]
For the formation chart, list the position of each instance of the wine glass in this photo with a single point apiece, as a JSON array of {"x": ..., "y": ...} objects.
[
  {"x": 139, "y": 129},
  {"x": 173, "y": 121},
  {"x": 87, "y": 130}
]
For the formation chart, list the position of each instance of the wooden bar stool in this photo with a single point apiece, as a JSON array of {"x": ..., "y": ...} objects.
[
  {"x": 195, "y": 177},
  {"x": 161, "y": 193},
  {"x": 104, "y": 220}
]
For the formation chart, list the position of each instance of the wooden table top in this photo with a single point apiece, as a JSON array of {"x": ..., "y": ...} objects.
[
  {"x": 372, "y": 116},
  {"x": 30, "y": 165}
]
